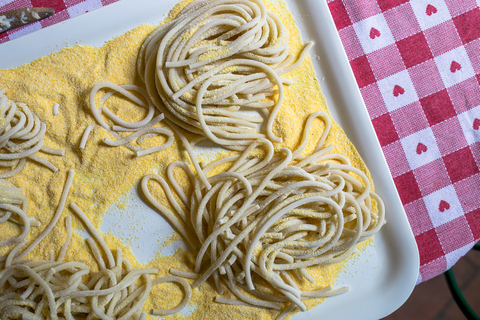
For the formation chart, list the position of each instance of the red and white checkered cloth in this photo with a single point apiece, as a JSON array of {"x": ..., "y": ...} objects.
[{"x": 417, "y": 64}]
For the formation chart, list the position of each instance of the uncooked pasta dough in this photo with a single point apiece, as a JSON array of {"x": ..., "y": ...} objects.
[
  {"x": 267, "y": 219},
  {"x": 214, "y": 61},
  {"x": 21, "y": 137},
  {"x": 142, "y": 130},
  {"x": 55, "y": 289}
]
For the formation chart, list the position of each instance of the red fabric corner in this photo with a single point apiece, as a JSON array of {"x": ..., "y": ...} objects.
[
  {"x": 468, "y": 25},
  {"x": 414, "y": 50},
  {"x": 407, "y": 187},
  {"x": 429, "y": 246},
  {"x": 362, "y": 71},
  {"x": 473, "y": 219},
  {"x": 389, "y": 4},
  {"x": 460, "y": 164},
  {"x": 437, "y": 107},
  {"x": 58, "y": 5},
  {"x": 339, "y": 14},
  {"x": 385, "y": 129}
]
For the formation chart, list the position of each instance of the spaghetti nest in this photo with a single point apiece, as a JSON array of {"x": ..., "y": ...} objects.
[
  {"x": 217, "y": 58},
  {"x": 21, "y": 137},
  {"x": 269, "y": 217}
]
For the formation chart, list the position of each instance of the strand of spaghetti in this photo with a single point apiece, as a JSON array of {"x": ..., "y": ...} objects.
[
  {"x": 52, "y": 151},
  {"x": 167, "y": 213},
  {"x": 91, "y": 228},
  {"x": 61, "y": 205},
  {"x": 46, "y": 163},
  {"x": 193, "y": 159},
  {"x": 186, "y": 288},
  {"x": 86, "y": 133},
  {"x": 286, "y": 311},
  {"x": 19, "y": 167},
  {"x": 184, "y": 274}
]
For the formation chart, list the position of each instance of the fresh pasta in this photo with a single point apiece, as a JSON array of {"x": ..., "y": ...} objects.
[
  {"x": 55, "y": 289},
  {"x": 268, "y": 218},
  {"x": 141, "y": 130},
  {"x": 13, "y": 209},
  {"x": 214, "y": 61},
  {"x": 21, "y": 137}
]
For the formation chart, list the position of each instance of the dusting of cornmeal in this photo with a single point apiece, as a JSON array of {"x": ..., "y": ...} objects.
[{"x": 104, "y": 174}]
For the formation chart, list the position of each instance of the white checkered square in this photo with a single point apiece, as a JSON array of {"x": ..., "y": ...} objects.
[
  {"x": 443, "y": 206},
  {"x": 470, "y": 123},
  {"x": 373, "y": 33},
  {"x": 455, "y": 255},
  {"x": 420, "y": 148},
  {"x": 25, "y": 30},
  {"x": 430, "y": 13},
  {"x": 454, "y": 66},
  {"x": 397, "y": 90},
  {"x": 85, "y": 6}
]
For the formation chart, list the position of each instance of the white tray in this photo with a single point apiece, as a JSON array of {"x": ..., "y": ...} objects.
[{"x": 384, "y": 275}]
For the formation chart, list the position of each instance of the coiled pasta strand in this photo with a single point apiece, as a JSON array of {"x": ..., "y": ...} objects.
[{"x": 21, "y": 137}]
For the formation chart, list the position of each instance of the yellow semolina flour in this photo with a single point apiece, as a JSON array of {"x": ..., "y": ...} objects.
[{"x": 104, "y": 174}]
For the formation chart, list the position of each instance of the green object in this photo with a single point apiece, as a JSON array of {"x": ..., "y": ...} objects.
[{"x": 458, "y": 296}]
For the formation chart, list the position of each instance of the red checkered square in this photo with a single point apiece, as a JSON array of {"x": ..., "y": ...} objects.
[
  {"x": 460, "y": 164},
  {"x": 56, "y": 18},
  {"x": 409, "y": 119},
  {"x": 426, "y": 78},
  {"x": 468, "y": 191},
  {"x": 465, "y": 95},
  {"x": 449, "y": 136},
  {"x": 402, "y": 21},
  {"x": 359, "y": 10},
  {"x": 363, "y": 72},
  {"x": 451, "y": 241},
  {"x": 433, "y": 268},
  {"x": 414, "y": 50},
  {"x": 386, "y": 61},
  {"x": 58, "y": 5},
  {"x": 436, "y": 37},
  {"x": 389, "y": 4},
  {"x": 418, "y": 217},
  {"x": 3, "y": 37},
  {"x": 468, "y": 25},
  {"x": 437, "y": 107},
  {"x": 396, "y": 159},
  {"x": 457, "y": 7},
  {"x": 429, "y": 246},
  {"x": 373, "y": 100},
  {"x": 350, "y": 41},
  {"x": 432, "y": 177},
  {"x": 385, "y": 129},
  {"x": 407, "y": 187},
  {"x": 339, "y": 14},
  {"x": 473, "y": 219},
  {"x": 473, "y": 52}
]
